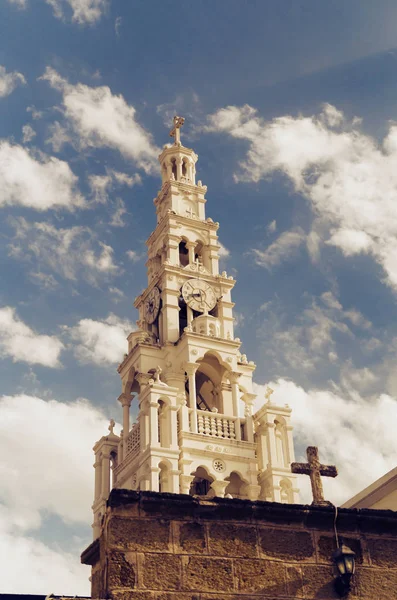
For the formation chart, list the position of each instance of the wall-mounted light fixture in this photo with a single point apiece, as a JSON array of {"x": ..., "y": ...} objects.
[{"x": 343, "y": 558}]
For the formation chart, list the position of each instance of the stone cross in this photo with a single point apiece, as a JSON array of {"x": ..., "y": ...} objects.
[
  {"x": 315, "y": 470},
  {"x": 176, "y": 131},
  {"x": 268, "y": 393},
  {"x": 111, "y": 425},
  {"x": 190, "y": 212}
]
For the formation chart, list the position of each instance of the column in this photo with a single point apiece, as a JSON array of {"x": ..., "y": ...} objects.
[
  {"x": 126, "y": 403},
  {"x": 191, "y": 369},
  {"x": 184, "y": 413},
  {"x": 154, "y": 479},
  {"x": 173, "y": 481},
  {"x": 233, "y": 378},
  {"x": 153, "y": 423},
  {"x": 219, "y": 488},
  {"x": 185, "y": 483},
  {"x": 249, "y": 399},
  {"x": 105, "y": 476},
  {"x": 173, "y": 410},
  {"x": 98, "y": 479},
  {"x": 191, "y": 246},
  {"x": 178, "y": 168}
]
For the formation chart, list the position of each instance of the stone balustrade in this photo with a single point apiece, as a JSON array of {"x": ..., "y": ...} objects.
[
  {"x": 216, "y": 425},
  {"x": 134, "y": 440}
]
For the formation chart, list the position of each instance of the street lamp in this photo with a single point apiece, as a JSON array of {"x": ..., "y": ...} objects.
[{"x": 345, "y": 565}]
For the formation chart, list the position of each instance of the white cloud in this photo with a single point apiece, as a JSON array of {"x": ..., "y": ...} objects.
[
  {"x": 45, "y": 469},
  {"x": 102, "y": 185},
  {"x": 133, "y": 256},
  {"x": 58, "y": 136},
  {"x": 349, "y": 178},
  {"x": 117, "y": 215},
  {"x": 28, "y": 133},
  {"x": 101, "y": 119},
  {"x": 117, "y": 292},
  {"x": 117, "y": 25},
  {"x": 69, "y": 252},
  {"x": 356, "y": 435},
  {"x": 84, "y": 12},
  {"x": 19, "y": 3},
  {"x": 310, "y": 339},
  {"x": 44, "y": 280},
  {"x": 101, "y": 342},
  {"x": 19, "y": 342},
  {"x": 272, "y": 226},
  {"x": 223, "y": 252},
  {"x": 284, "y": 248},
  {"x": 9, "y": 81},
  {"x": 40, "y": 182}
]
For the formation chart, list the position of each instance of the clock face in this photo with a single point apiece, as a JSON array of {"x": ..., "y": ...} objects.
[
  {"x": 152, "y": 305},
  {"x": 199, "y": 295}
]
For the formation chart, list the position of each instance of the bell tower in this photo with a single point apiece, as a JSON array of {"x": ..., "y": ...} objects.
[{"x": 195, "y": 432}]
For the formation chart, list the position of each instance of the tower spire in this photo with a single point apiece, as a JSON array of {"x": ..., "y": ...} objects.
[
  {"x": 176, "y": 131},
  {"x": 185, "y": 372}
]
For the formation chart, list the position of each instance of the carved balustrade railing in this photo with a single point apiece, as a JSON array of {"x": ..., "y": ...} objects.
[
  {"x": 134, "y": 440},
  {"x": 217, "y": 425}
]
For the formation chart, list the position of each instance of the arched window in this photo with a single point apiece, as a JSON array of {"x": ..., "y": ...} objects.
[
  {"x": 183, "y": 254},
  {"x": 173, "y": 168},
  {"x": 236, "y": 487},
  {"x": 164, "y": 478},
  {"x": 201, "y": 483},
  {"x": 184, "y": 168}
]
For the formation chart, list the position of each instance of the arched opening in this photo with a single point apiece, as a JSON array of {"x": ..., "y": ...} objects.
[
  {"x": 183, "y": 254},
  {"x": 185, "y": 168},
  {"x": 286, "y": 494},
  {"x": 164, "y": 477},
  {"x": 198, "y": 253},
  {"x": 237, "y": 486},
  {"x": 173, "y": 168},
  {"x": 210, "y": 391},
  {"x": 201, "y": 484}
]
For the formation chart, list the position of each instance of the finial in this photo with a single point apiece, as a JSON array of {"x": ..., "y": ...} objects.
[
  {"x": 111, "y": 425},
  {"x": 268, "y": 393},
  {"x": 176, "y": 131}
]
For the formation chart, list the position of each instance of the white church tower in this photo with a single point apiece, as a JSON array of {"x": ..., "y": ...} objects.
[{"x": 195, "y": 432}]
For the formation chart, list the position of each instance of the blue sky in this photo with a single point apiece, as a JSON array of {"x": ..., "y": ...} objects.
[{"x": 291, "y": 107}]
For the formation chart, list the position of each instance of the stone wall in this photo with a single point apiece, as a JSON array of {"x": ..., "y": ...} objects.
[{"x": 175, "y": 547}]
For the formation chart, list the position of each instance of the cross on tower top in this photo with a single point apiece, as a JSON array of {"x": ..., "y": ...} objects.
[
  {"x": 314, "y": 469},
  {"x": 176, "y": 131}
]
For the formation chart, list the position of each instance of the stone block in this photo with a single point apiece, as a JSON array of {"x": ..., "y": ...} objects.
[
  {"x": 283, "y": 544},
  {"x": 140, "y": 535},
  {"x": 383, "y": 552},
  {"x": 327, "y": 545},
  {"x": 318, "y": 582},
  {"x": 207, "y": 574},
  {"x": 162, "y": 572},
  {"x": 376, "y": 584},
  {"x": 190, "y": 538},
  {"x": 264, "y": 577},
  {"x": 121, "y": 572},
  {"x": 294, "y": 580},
  {"x": 226, "y": 539}
]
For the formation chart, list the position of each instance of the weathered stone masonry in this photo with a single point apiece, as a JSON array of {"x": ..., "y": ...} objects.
[{"x": 174, "y": 547}]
